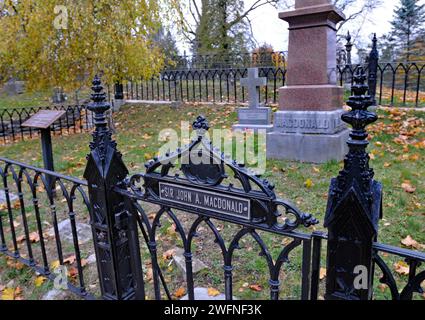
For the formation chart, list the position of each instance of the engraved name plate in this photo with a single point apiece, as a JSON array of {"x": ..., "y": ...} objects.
[{"x": 206, "y": 200}]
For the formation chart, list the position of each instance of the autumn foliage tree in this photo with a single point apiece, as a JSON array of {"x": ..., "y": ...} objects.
[{"x": 62, "y": 43}]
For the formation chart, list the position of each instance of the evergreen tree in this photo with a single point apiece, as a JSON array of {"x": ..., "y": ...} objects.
[
  {"x": 407, "y": 28},
  {"x": 166, "y": 42}
]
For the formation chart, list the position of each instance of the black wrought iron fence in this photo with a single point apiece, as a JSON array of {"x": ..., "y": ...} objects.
[
  {"x": 77, "y": 119},
  {"x": 224, "y": 61},
  {"x": 398, "y": 84},
  {"x": 114, "y": 206},
  {"x": 204, "y": 85},
  {"x": 40, "y": 217}
]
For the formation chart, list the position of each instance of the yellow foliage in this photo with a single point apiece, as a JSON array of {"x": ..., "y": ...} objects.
[{"x": 48, "y": 47}]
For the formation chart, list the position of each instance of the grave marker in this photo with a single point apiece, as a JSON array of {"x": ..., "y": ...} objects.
[
  {"x": 256, "y": 116},
  {"x": 308, "y": 126}
]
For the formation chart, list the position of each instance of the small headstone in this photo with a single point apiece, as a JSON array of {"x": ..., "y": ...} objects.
[
  {"x": 14, "y": 87},
  {"x": 13, "y": 197},
  {"x": 178, "y": 257},
  {"x": 202, "y": 294},
  {"x": 59, "y": 96},
  {"x": 256, "y": 116},
  {"x": 84, "y": 232},
  {"x": 117, "y": 104}
]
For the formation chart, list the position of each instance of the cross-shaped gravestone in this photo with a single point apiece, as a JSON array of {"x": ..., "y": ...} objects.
[{"x": 253, "y": 84}]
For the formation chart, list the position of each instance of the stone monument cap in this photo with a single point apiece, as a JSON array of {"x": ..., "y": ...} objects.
[
  {"x": 314, "y": 9},
  {"x": 309, "y": 3}
]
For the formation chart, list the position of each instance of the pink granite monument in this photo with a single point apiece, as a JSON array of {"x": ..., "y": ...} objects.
[{"x": 308, "y": 126}]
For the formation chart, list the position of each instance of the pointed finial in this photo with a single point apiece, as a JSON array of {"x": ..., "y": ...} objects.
[
  {"x": 359, "y": 102},
  {"x": 200, "y": 125},
  {"x": 374, "y": 43},
  {"x": 99, "y": 105},
  {"x": 348, "y": 37}
]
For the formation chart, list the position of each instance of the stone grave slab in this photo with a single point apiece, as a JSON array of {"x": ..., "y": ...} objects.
[
  {"x": 83, "y": 230},
  {"x": 178, "y": 257},
  {"x": 13, "y": 197}
]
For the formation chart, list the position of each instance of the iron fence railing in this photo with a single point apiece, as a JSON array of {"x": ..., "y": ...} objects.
[
  {"x": 77, "y": 119},
  {"x": 223, "y": 61},
  {"x": 35, "y": 203},
  {"x": 398, "y": 84},
  {"x": 204, "y": 85}
]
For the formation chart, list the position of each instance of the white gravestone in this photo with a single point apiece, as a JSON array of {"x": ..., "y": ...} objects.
[{"x": 256, "y": 116}]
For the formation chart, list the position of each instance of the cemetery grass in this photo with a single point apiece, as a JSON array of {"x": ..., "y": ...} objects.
[{"x": 397, "y": 150}]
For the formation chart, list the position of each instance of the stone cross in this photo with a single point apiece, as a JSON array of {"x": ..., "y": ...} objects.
[{"x": 253, "y": 84}]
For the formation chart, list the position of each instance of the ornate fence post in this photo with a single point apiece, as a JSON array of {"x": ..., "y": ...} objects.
[
  {"x": 348, "y": 48},
  {"x": 373, "y": 70},
  {"x": 354, "y": 208},
  {"x": 114, "y": 228}
]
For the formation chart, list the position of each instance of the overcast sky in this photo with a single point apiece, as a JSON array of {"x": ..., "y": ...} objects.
[{"x": 268, "y": 28}]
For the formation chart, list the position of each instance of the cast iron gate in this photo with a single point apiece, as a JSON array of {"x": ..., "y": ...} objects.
[{"x": 202, "y": 190}]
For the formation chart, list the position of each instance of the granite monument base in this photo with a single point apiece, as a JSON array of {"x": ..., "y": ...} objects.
[
  {"x": 313, "y": 148},
  {"x": 311, "y": 122}
]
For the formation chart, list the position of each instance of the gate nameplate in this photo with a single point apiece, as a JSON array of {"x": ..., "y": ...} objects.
[{"x": 206, "y": 200}]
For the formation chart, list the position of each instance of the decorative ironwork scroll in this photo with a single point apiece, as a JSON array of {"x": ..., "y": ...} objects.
[{"x": 202, "y": 191}]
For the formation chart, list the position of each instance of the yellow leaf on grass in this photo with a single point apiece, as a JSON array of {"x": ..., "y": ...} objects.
[
  {"x": 70, "y": 259},
  {"x": 401, "y": 267},
  {"x": 322, "y": 273},
  {"x": 255, "y": 287},
  {"x": 39, "y": 281},
  {"x": 180, "y": 292},
  {"x": 315, "y": 169},
  {"x": 407, "y": 187},
  {"x": 168, "y": 254},
  {"x": 11, "y": 294},
  {"x": 8, "y": 294},
  {"x": 34, "y": 237},
  {"x": 308, "y": 183},
  {"x": 212, "y": 292},
  {"x": 17, "y": 204},
  {"x": 382, "y": 287},
  {"x": 387, "y": 165},
  {"x": 411, "y": 243},
  {"x": 55, "y": 264}
]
